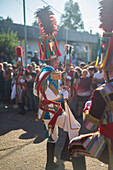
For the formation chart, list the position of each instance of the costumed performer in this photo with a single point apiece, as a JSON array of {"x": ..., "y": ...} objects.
[
  {"x": 47, "y": 87},
  {"x": 70, "y": 76},
  {"x": 21, "y": 83},
  {"x": 98, "y": 113}
]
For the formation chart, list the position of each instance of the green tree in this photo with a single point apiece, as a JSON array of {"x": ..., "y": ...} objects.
[
  {"x": 72, "y": 17},
  {"x": 35, "y": 23},
  {"x": 8, "y": 42},
  {"x": 8, "y": 19},
  {"x": 1, "y": 18}
]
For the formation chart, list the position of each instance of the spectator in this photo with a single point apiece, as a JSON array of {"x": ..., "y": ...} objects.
[
  {"x": 2, "y": 75},
  {"x": 5, "y": 65},
  {"x": 37, "y": 71},
  {"x": 79, "y": 70},
  {"x": 91, "y": 70},
  {"x": 30, "y": 81},
  {"x": 82, "y": 65},
  {"x": 35, "y": 98},
  {"x": 98, "y": 77},
  {"x": 33, "y": 64},
  {"x": 42, "y": 65},
  {"x": 60, "y": 67},
  {"x": 35, "y": 58},
  {"x": 83, "y": 91},
  {"x": 13, "y": 87},
  {"x": 7, "y": 84},
  {"x": 1, "y": 56}
]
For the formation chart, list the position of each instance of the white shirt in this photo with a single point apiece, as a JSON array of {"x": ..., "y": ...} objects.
[{"x": 98, "y": 76}]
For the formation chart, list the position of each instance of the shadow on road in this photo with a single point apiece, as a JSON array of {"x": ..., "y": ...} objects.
[{"x": 10, "y": 120}]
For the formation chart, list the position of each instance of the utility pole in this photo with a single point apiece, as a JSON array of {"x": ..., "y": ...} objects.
[{"x": 25, "y": 35}]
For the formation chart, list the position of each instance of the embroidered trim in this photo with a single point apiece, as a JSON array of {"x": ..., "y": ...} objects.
[
  {"x": 55, "y": 76},
  {"x": 55, "y": 91}
]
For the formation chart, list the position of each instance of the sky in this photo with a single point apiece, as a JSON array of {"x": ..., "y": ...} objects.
[{"x": 14, "y": 9}]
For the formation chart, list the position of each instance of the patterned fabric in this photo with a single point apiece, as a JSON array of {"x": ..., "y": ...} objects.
[
  {"x": 97, "y": 113},
  {"x": 46, "y": 87},
  {"x": 21, "y": 85}
]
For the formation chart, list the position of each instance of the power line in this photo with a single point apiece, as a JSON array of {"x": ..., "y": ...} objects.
[
  {"x": 25, "y": 7},
  {"x": 52, "y": 7},
  {"x": 43, "y": 2}
]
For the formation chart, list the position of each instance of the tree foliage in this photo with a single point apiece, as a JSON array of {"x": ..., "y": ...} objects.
[
  {"x": 72, "y": 17},
  {"x": 8, "y": 42},
  {"x": 35, "y": 23},
  {"x": 8, "y": 19}
]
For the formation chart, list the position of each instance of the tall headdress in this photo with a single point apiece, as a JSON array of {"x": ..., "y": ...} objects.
[
  {"x": 48, "y": 29},
  {"x": 106, "y": 48},
  {"x": 68, "y": 54},
  {"x": 19, "y": 53}
]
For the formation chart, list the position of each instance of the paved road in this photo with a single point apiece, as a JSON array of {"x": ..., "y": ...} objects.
[{"x": 23, "y": 145}]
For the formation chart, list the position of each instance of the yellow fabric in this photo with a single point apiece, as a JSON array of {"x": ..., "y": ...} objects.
[
  {"x": 55, "y": 76},
  {"x": 91, "y": 118}
]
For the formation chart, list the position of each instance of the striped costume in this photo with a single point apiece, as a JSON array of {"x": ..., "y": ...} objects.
[
  {"x": 47, "y": 88},
  {"x": 98, "y": 113}
]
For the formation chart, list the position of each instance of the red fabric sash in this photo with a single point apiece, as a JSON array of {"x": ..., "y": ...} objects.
[
  {"x": 19, "y": 84},
  {"x": 107, "y": 130},
  {"x": 44, "y": 103},
  {"x": 19, "y": 75},
  {"x": 40, "y": 82},
  {"x": 56, "y": 113},
  {"x": 54, "y": 119}
]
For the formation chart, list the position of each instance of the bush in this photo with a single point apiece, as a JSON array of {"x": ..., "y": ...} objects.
[{"x": 8, "y": 42}]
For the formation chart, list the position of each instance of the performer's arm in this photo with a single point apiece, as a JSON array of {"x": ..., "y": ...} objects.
[{"x": 92, "y": 113}]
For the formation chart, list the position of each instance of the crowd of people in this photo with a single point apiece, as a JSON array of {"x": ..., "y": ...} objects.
[
  {"x": 17, "y": 82},
  {"x": 85, "y": 90},
  {"x": 14, "y": 87}
]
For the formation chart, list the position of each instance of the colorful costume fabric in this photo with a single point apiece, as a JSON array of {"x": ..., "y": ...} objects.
[
  {"x": 98, "y": 113},
  {"x": 47, "y": 88},
  {"x": 21, "y": 85}
]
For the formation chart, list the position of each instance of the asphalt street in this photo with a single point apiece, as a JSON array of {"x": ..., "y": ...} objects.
[{"x": 23, "y": 143}]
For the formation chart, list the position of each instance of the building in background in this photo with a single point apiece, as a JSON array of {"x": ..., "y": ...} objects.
[{"x": 83, "y": 42}]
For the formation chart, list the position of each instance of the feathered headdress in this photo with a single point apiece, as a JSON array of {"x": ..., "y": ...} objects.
[
  {"x": 19, "y": 53},
  {"x": 106, "y": 49},
  {"x": 48, "y": 29},
  {"x": 106, "y": 15}
]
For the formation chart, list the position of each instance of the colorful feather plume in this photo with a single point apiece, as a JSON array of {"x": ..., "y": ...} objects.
[
  {"x": 19, "y": 51},
  {"x": 47, "y": 23},
  {"x": 106, "y": 15}
]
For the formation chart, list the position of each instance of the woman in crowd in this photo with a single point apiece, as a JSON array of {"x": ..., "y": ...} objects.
[{"x": 83, "y": 91}]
